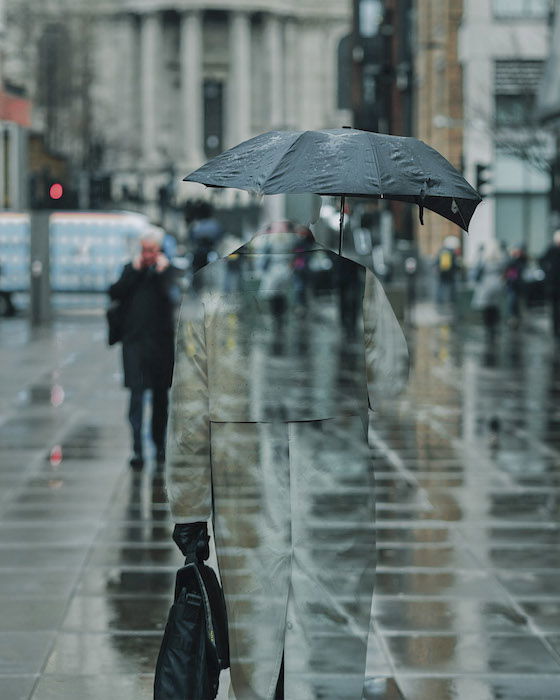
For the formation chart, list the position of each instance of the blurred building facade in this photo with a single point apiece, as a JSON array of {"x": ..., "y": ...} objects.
[
  {"x": 502, "y": 49},
  {"x": 145, "y": 90},
  {"x": 128, "y": 95}
]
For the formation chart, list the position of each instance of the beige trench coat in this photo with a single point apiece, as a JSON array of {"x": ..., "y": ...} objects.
[{"x": 275, "y": 365}]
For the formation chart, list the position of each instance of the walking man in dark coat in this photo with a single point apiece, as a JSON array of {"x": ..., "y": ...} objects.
[
  {"x": 551, "y": 266},
  {"x": 144, "y": 289}
]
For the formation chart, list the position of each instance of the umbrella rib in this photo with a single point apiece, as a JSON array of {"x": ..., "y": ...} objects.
[
  {"x": 378, "y": 169},
  {"x": 465, "y": 225},
  {"x": 412, "y": 155}
]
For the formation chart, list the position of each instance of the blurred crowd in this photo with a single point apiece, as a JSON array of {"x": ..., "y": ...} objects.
[{"x": 503, "y": 284}]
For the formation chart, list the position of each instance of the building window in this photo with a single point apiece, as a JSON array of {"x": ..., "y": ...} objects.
[
  {"x": 514, "y": 110},
  {"x": 520, "y": 9},
  {"x": 515, "y": 88}
]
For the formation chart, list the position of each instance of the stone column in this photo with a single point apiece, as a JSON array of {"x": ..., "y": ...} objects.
[
  {"x": 273, "y": 56},
  {"x": 192, "y": 112},
  {"x": 150, "y": 28},
  {"x": 312, "y": 76},
  {"x": 129, "y": 86},
  {"x": 238, "y": 112},
  {"x": 292, "y": 73}
]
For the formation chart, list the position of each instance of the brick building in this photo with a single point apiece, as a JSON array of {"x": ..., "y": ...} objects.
[{"x": 438, "y": 98}]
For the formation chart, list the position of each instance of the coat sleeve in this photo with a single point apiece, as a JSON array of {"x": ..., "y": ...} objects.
[
  {"x": 188, "y": 462},
  {"x": 387, "y": 361}
]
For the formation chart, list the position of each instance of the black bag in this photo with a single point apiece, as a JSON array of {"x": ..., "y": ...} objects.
[
  {"x": 115, "y": 321},
  {"x": 195, "y": 645}
]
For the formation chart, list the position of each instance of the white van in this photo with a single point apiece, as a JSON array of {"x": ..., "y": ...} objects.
[{"x": 87, "y": 249}]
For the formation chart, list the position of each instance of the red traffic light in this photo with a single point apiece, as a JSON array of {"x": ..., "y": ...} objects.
[{"x": 56, "y": 191}]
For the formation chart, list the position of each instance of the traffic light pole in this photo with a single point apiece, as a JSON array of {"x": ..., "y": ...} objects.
[{"x": 40, "y": 292}]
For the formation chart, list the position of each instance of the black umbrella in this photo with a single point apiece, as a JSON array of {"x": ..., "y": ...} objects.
[{"x": 344, "y": 162}]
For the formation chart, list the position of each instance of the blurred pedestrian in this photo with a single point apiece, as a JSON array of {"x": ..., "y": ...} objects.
[
  {"x": 205, "y": 234},
  {"x": 475, "y": 271},
  {"x": 513, "y": 274},
  {"x": 350, "y": 297},
  {"x": 228, "y": 246},
  {"x": 145, "y": 293},
  {"x": 7, "y": 307},
  {"x": 447, "y": 266},
  {"x": 551, "y": 266},
  {"x": 278, "y": 279},
  {"x": 301, "y": 267},
  {"x": 263, "y": 445},
  {"x": 489, "y": 286}
]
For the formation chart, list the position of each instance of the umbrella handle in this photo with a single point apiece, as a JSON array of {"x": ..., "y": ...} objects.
[
  {"x": 341, "y": 224},
  {"x": 420, "y": 200}
]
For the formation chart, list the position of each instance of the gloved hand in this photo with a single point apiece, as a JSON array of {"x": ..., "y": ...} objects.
[{"x": 192, "y": 539}]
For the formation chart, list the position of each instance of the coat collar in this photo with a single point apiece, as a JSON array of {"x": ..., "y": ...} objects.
[{"x": 281, "y": 242}]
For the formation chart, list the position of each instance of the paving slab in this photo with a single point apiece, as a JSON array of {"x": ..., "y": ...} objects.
[{"x": 467, "y": 601}]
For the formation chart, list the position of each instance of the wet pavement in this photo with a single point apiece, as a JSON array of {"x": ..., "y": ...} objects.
[{"x": 467, "y": 601}]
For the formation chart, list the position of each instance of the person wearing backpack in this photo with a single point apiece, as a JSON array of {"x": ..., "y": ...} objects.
[{"x": 446, "y": 266}]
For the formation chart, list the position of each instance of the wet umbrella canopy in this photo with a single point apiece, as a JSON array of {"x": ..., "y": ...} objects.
[{"x": 344, "y": 162}]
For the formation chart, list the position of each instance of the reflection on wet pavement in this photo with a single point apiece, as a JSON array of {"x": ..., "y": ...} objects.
[{"x": 467, "y": 463}]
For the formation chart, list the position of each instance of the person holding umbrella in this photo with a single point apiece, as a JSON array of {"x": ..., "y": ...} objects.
[
  {"x": 273, "y": 448},
  {"x": 274, "y": 452}
]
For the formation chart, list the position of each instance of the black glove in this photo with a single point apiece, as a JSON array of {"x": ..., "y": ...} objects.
[{"x": 192, "y": 539}]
